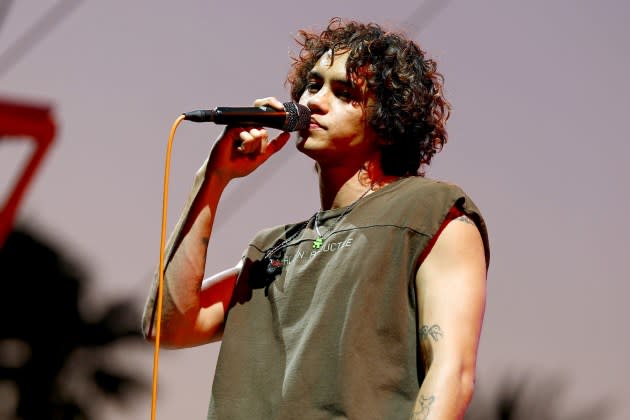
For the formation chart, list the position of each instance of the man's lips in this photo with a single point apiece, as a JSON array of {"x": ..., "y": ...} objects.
[{"x": 314, "y": 124}]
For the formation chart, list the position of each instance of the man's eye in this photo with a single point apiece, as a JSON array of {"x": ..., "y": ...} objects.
[
  {"x": 312, "y": 86},
  {"x": 345, "y": 94}
]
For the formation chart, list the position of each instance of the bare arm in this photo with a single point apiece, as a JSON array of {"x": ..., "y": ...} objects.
[
  {"x": 451, "y": 290},
  {"x": 192, "y": 315}
]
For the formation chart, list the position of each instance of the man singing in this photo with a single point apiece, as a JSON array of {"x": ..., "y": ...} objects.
[{"x": 372, "y": 307}]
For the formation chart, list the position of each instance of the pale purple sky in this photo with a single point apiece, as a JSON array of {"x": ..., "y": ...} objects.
[{"x": 538, "y": 138}]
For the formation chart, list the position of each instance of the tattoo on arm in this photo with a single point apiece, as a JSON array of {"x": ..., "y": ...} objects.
[
  {"x": 465, "y": 219},
  {"x": 433, "y": 331},
  {"x": 205, "y": 241},
  {"x": 423, "y": 407}
]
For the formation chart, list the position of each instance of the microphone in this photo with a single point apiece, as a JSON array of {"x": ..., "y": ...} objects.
[{"x": 294, "y": 117}]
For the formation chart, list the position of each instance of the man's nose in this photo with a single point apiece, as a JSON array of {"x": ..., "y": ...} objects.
[{"x": 318, "y": 102}]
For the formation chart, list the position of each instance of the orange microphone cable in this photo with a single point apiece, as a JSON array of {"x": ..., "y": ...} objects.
[{"x": 158, "y": 321}]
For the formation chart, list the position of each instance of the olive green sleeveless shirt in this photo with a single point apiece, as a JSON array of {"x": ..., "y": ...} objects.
[{"x": 331, "y": 332}]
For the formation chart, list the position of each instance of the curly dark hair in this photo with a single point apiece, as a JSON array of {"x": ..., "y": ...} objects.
[{"x": 410, "y": 111}]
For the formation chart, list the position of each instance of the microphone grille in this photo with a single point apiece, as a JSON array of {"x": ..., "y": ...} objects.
[{"x": 298, "y": 117}]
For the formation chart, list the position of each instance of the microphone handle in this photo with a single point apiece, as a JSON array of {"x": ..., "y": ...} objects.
[{"x": 241, "y": 116}]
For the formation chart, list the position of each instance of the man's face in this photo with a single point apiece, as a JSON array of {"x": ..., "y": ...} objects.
[{"x": 338, "y": 133}]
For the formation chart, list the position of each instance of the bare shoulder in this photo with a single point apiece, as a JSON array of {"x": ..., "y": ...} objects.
[
  {"x": 460, "y": 239},
  {"x": 459, "y": 250}
]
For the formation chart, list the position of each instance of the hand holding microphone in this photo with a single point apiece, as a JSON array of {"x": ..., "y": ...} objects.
[{"x": 242, "y": 148}]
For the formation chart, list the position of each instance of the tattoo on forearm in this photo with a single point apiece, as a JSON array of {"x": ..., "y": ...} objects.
[
  {"x": 205, "y": 240},
  {"x": 465, "y": 219},
  {"x": 423, "y": 407},
  {"x": 433, "y": 331}
]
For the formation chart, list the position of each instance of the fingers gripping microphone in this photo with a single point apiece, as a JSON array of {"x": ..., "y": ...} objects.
[{"x": 294, "y": 117}]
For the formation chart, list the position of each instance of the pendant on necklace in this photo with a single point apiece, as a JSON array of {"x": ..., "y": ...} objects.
[{"x": 317, "y": 243}]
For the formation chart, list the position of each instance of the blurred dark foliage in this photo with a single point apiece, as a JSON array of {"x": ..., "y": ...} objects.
[
  {"x": 54, "y": 358},
  {"x": 526, "y": 398}
]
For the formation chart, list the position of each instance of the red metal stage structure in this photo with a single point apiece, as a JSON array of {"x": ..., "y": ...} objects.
[{"x": 21, "y": 121}]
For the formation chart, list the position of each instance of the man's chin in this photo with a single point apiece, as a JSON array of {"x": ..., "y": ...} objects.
[{"x": 301, "y": 142}]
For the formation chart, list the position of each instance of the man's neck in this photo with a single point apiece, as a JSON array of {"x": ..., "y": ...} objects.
[{"x": 342, "y": 186}]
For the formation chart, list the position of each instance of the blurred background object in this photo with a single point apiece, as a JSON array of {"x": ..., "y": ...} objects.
[{"x": 56, "y": 356}]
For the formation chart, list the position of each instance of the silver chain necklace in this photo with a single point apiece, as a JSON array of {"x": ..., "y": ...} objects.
[
  {"x": 275, "y": 264},
  {"x": 319, "y": 241}
]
